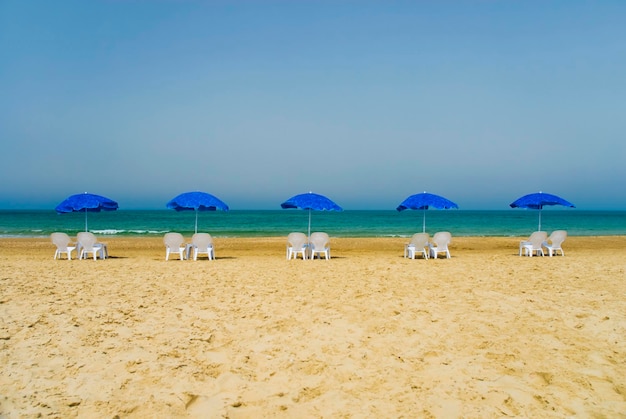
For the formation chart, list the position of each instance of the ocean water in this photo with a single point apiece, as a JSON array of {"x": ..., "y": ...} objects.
[{"x": 351, "y": 223}]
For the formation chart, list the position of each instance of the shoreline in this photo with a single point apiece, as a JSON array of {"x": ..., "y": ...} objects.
[
  {"x": 243, "y": 245},
  {"x": 366, "y": 334},
  {"x": 278, "y": 236}
]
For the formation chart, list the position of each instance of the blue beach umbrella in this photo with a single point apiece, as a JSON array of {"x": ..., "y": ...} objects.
[
  {"x": 311, "y": 202},
  {"x": 86, "y": 202},
  {"x": 538, "y": 201},
  {"x": 196, "y": 201},
  {"x": 423, "y": 201}
]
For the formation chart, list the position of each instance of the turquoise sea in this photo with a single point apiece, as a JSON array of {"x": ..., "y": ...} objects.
[{"x": 350, "y": 223}]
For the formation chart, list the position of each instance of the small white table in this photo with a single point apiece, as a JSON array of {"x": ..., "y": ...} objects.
[{"x": 103, "y": 250}]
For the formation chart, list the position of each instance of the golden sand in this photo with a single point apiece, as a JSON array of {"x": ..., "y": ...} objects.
[{"x": 367, "y": 334}]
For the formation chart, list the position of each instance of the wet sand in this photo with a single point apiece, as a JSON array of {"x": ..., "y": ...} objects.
[{"x": 367, "y": 334}]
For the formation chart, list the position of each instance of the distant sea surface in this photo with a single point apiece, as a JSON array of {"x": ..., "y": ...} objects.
[{"x": 352, "y": 223}]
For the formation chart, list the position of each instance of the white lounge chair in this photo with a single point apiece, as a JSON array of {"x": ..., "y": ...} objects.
[
  {"x": 440, "y": 243},
  {"x": 417, "y": 245},
  {"x": 553, "y": 244},
  {"x": 202, "y": 243},
  {"x": 88, "y": 243},
  {"x": 174, "y": 244},
  {"x": 62, "y": 241},
  {"x": 533, "y": 244},
  {"x": 296, "y": 244},
  {"x": 320, "y": 244}
]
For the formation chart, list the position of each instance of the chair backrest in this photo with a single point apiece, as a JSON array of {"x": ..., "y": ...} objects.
[
  {"x": 86, "y": 240},
  {"x": 419, "y": 240},
  {"x": 296, "y": 240},
  {"x": 173, "y": 240},
  {"x": 60, "y": 240},
  {"x": 537, "y": 238},
  {"x": 202, "y": 241},
  {"x": 442, "y": 239},
  {"x": 319, "y": 240},
  {"x": 557, "y": 237}
]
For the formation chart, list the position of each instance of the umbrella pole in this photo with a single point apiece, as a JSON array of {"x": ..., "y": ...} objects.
[
  {"x": 309, "y": 223},
  {"x": 424, "y": 221},
  {"x": 309, "y": 237},
  {"x": 539, "y": 219},
  {"x": 86, "y": 219},
  {"x": 196, "y": 228}
]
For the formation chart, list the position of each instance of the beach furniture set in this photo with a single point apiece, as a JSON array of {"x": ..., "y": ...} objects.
[
  {"x": 421, "y": 244},
  {"x": 539, "y": 240},
  {"x": 298, "y": 244},
  {"x": 201, "y": 244},
  {"x": 86, "y": 244}
]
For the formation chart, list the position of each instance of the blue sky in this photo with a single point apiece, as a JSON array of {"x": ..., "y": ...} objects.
[{"x": 366, "y": 102}]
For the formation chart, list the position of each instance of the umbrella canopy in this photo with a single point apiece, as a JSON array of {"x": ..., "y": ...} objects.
[
  {"x": 196, "y": 201},
  {"x": 538, "y": 201},
  {"x": 423, "y": 201},
  {"x": 311, "y": 202},
  {"x": 86, "y": 202}
]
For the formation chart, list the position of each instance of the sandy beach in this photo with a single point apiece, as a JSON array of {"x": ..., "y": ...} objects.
[{"x": 367, "y": 334}]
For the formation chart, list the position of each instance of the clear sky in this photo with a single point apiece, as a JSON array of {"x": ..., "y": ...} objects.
[{"x": 366, "y": 102}]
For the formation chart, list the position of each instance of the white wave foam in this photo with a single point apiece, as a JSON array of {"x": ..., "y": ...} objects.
[
  {"x": 109, "y": 232},
  {"x": 112, "y": 232}
]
